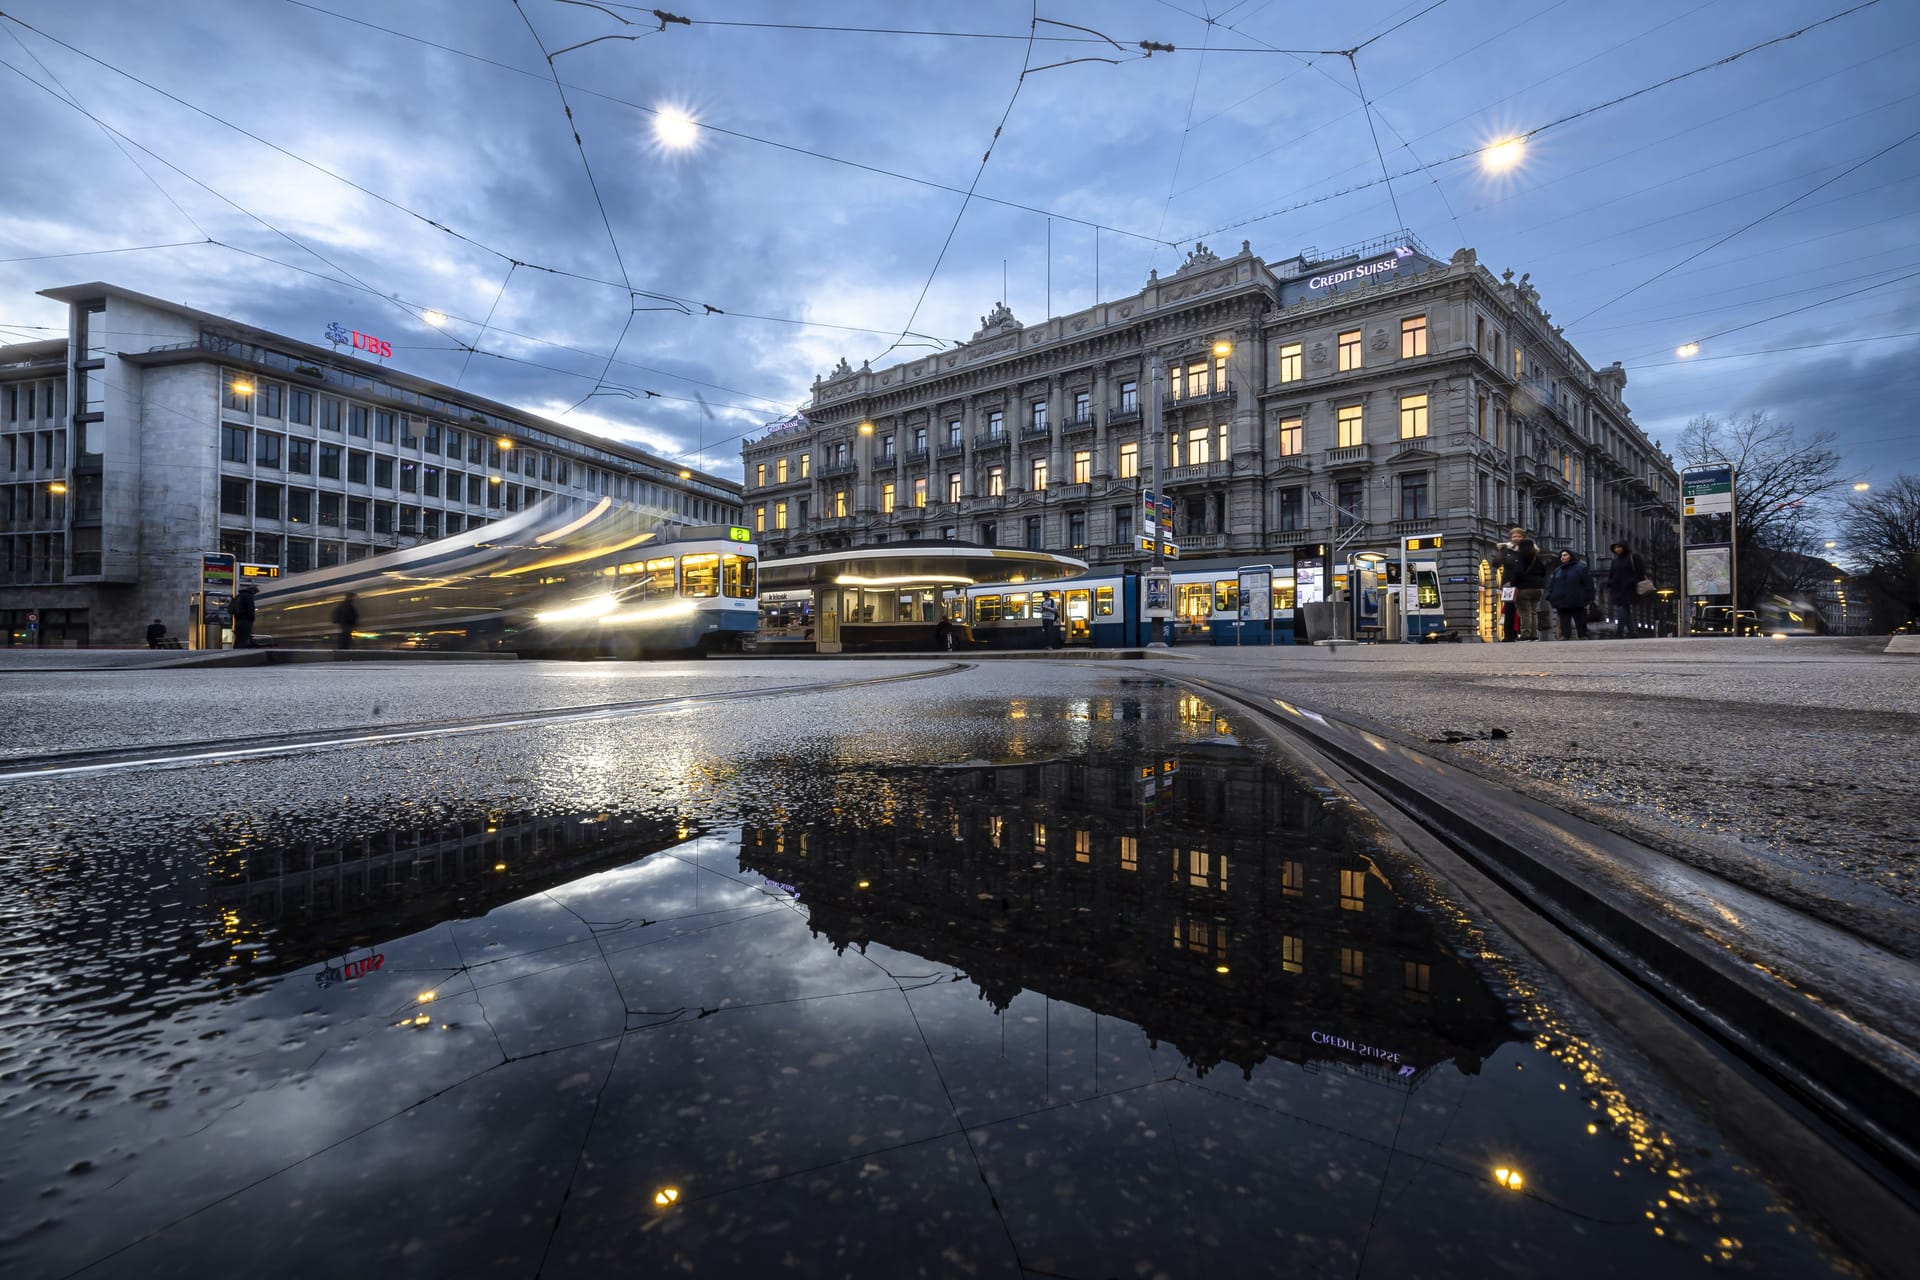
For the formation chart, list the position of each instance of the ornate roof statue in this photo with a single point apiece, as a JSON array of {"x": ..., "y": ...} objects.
[
  {"x": 1200, "y": 259},
  {"x": 996, "y": 322},
  {"x": 841, "y": 370}
]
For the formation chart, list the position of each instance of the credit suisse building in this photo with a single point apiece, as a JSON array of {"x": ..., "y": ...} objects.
[
  {"x": 1351, "y": 398},
  {"x": 155, "y": 432}
]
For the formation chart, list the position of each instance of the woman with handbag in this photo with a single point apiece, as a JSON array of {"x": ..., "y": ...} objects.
[{"x": 1627, "y": 581}]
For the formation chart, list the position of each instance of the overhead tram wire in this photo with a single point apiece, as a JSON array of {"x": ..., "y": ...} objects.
[
  {"x": 1811, "y": 306},
  {"x": 284, "y": 235},
  {"x": 1557, "y": 122},
  {"x": 1775, "y": 351},
  {"x": 1186, "y": 131},
  {"x": 725, "y": 132},
  {"x": 1025, "y": 62},
  {"x": 1745, "y": 227},
  {"x": 61, "y": 85},
  {"x": 95, "y": 253}
]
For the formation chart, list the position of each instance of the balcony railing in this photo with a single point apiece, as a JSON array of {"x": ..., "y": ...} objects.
[
  {"x": 1124, "y": 414},
  {"x": 1223, "y": 391},
  {"x": 1353, "y": 455},
  {"x": 914, "y": 456},
  {"x": 953, "y": 449},
  {"x": 1415, "y": 528},
  {"x": 1077, "y": 426},
  {"x": 1193, "y": 542},
  {"x": 834, "y": 470},
  {"x": 990, "y": 440},
  {"x": 1036, "y": 431},
  {"x": 1414, "y": 444},
  {"x": 1199, "y": 472}
]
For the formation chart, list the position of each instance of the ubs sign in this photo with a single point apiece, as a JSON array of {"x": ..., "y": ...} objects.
[{"x": 339, "y": 335}]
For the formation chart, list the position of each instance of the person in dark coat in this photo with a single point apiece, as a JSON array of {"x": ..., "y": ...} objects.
[
  {"x": 1530, "y": 571},
  {"x": 243, "y": 615},
  {"x": 156, "y": 632},
  {"x": 943, "y": 633},
  {"x": 1050, "y": 622},
  {"x": 1508, "y": 566},
  {"x": 1570, "y": 591},
  {"x": 1624, "y": 576},
  {"x": 346, "y": 615}
]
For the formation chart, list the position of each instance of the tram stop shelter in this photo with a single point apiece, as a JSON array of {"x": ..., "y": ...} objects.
[{"x": 886, "y": 597}]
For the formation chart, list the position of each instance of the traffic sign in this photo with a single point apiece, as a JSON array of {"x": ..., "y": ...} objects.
[{"x": 33, "y": 619}]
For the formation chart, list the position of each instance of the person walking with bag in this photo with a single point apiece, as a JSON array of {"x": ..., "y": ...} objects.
[
  {"x": 1529, "y": 583},
  {"x": 244, "y": 613},
  {"x": 1570, "y": 591},
  {"x": 1624, "y": 578},
  {"x": 1509, "y": 566}
]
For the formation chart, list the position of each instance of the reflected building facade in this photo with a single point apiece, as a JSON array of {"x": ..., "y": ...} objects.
[{"x": 1211, "y": 899}]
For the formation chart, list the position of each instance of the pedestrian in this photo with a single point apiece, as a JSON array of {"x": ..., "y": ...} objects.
[
  {"x": 1529, "y": 584},
  {"x": 345, "y": 615},
  {"x": 943, "y": 633},
  {"x": 156, "y": 632},
  {"x": 1570, "y": 591},
  {"x": 1050, "y": 622},
  {"x": 1509, "y": 564},
  {"x": 1624, "y": 577},
  {"x": 243, "y": 614}
]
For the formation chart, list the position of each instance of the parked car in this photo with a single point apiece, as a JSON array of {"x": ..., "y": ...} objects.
[{"x": 1724, "y": 620}]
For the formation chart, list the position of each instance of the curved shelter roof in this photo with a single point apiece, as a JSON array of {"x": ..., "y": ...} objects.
[{"x": 916, "y": 564}]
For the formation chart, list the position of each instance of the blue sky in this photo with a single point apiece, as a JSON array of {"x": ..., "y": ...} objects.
[{"x": 829, "y": 169}]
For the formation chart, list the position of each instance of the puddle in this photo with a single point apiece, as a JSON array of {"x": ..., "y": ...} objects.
[{"x": 1082, "y": 985}]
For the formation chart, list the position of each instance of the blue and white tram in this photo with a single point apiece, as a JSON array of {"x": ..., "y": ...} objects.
[
  {"x": 1099, "y": 608},
  {"x": 565, "y": 578}
]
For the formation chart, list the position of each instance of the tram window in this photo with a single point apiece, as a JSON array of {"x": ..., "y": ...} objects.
[
  {"x": 659, "y": 580},
  {"x": 700, "y": 575},
  {"x": 1103, "y": 601},
  {"x": 986, "y": 609},
  {"x": 1015, "y": 605},
  {"x": 1282, "y": 596},
  {"x": 1427, "y": 584},
  {"x": 737, "y": 581},
  {"x": 1226, "y": 595},
  {"x": 1193, "y": 599}
]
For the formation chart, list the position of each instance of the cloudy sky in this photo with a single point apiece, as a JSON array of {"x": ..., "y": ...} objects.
[{"x": 1768, "y": 208}]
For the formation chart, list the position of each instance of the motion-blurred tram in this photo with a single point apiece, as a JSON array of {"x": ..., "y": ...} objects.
[{"x": 566, "y": 578}]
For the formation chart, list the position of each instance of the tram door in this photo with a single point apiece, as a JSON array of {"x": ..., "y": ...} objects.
[{"x": 1077, "y": 616}]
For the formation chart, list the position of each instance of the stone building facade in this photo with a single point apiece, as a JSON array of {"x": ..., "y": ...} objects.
[
  {"x": 154, "y": 433},
  {"x": 1350, "y": 399}
]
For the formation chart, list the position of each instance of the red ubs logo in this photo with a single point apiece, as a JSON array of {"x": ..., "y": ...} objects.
[
  {"x": 350, "y": 970},
  {"x": 338, "y": 333}
]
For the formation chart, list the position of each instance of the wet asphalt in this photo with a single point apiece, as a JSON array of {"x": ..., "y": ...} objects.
[{"x": 1035, "y": 968}]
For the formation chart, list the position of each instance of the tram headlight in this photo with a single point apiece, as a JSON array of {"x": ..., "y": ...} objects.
[
  {"x": 661, "y": 612},
  {"x": 584, "y": 611}
]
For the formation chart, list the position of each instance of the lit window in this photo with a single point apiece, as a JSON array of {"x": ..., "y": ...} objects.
[
  {"x": 1199, "y": 446},
  {"x": 806, "y": 465},
  {"x": 920, "y": 491},
  {"x": 1290, "y": 437},
  {"x": 1353, "y": 891},
  {"x": 780, "y": 470},
  {"x": 953, "y": 486},
  {"x": 1129, "y": 853},
  {"x": 1413, "y": 336},
  {"x": 1349, "y": 350},
  {"x": 1413, "y": 417},
  {"x": 1347, "y": 418},
  {"x": 1083, "y": 846},
  {"x": 840, "y": 504},
  {"x": 779, "y": 515},
  {"x": 886, "y": 498},
  {"x": 996, "y": 482},
  {"x": 1293, "y": 879},
  {"x": 1129, "y": 460},
  {"x": 1293, "y": 952},
  {"x": 1290, "y": 362},
  {"x": 1039, "y": 473},
  {"x": 995, "y": 825},
  {"x": 1082, "y": 466},
  {"x": 1353, "y": 966}
]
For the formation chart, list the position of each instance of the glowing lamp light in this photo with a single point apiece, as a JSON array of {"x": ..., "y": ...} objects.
[
  {"x": 866, "y": 428},
  {"x": 1223, "y": 348},
  {"x": 57, "y": 487},
  {"x": 1503, "y": 155},
  {"x": 434, "y": 318},
  {"x": 686, "y": 475},
  {"x": 504, "y": 444},
  {"x": 1686, "y": 349},
  {"x": 675, "y": 129},
  {"x": 1862, "y": 487},
  {"x": 864, "y": 884},
  {"x": 426, "y": 997},
  {"x": 1509, "y": 1178},
  {"x": 665, "y": 1197},
  {"x": 499, "y": 866},
  {"x": 1220, "y": 968},
  {"x": 241, "y": 387}
]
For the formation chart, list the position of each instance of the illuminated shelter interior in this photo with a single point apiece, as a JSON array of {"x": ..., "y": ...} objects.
[{"x": 893, "y": 594}]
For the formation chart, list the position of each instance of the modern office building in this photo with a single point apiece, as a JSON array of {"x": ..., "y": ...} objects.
[
  {"x": 154, "y": 433},
  {"x": 1349, "y": 398}
]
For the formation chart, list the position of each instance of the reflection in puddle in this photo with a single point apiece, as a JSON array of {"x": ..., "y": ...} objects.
[{"x": 1098, "y": 991}]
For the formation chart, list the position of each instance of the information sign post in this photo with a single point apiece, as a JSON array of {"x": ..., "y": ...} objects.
[{"x": 1709, "y": 561}]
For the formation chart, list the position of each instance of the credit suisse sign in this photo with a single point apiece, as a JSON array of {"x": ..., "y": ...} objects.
[{"x": 1361, "y": 271}]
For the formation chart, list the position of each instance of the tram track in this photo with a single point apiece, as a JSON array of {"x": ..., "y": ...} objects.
[
  {"x": 182, "y": 754},
  {"x": 1815, "y": 1020}
]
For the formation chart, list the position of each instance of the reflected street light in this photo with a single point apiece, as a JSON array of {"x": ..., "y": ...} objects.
[
  {"x": 1862, "y": 487},
  {"x": 57, "y": 487}
]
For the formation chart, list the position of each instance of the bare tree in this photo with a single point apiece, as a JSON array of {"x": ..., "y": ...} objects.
[
  {"x": 1783, "y": 480},
  {"x": 1880, "y": 533}
]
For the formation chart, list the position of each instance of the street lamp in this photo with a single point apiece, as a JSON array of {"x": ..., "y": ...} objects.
[
  {"x": 1862, "y": 487},
  {"x": 242, "y": 387},
  {"x": 57, "y": 487}
]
